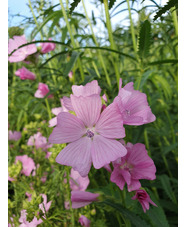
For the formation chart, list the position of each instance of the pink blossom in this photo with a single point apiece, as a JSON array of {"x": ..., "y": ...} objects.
[
  {"x": 56, "y": 111},
  {"x": 104, "y": 98},
  {"x": 44, "y": 206},
  {"x": 47, "y": 47},
  {"x": 38, "y": 141},
  {"x": 27, "y": 163},
  {"x": 12, "y": 222},
  {"x": 48, "y": 154},
  {"x": 91, "y": 134},
  {"x": 42, "y": 91},
  {"x": 25, "y": 223},
  {"x": 70, "y": 74},
  {"x": 22, "y": 53},
  {"x": 134, "y": 166},
  {"x": 24, "y": 74},
  {"x": 144, "y": 199},
  {"x": 84, "y": 221},
  {"x": 82, "y": 198},
  {"x": 29, "y": 195},
  {"x": 44, "y": 177},
  {"x": 133, "y": 106},
  {"x": 67, "y": 205},
  {"x": 77, "y": 182},
  {"x": 14, "y": 135}
]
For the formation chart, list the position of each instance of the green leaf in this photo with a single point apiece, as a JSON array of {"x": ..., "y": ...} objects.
[
  {"x": 136, "y": 220},
  {"x": 71, "y": 63},
  {"x": 74, "y": 4},
  {"x": 167, "y": 187},
  {"x": 111, "y": 3},
  {"x": 165, "y": 8},
  {"x": 166, "y": 61},
  {"x": 144, "y": 39}
]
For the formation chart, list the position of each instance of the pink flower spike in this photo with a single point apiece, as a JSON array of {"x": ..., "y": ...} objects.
[
  {"x": 82, "y": 198},
  {"x": 77, "y": 182},
  {"x": 14, "y": 135},
  {"x": 44, "y": 206},
  {"x": 91, "y": 134},
  {"x": 22, "y": 53},
  {"x": 24, "y": 74},
  {"x": 47, "y": 47},
  {"x": 144, "y": 199},
  {"x": 133, "y": 106},
  {"x": 134, "y": 166},
  {"x": 27, "y": 163},
  {"x": 42, "y": 91},
  {"x": 84, "y": 221},
  {"x": 89, "y": 89}
]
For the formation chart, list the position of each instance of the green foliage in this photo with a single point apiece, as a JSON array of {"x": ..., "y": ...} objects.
[
  {"x": 15, "y": 31},
  {"x": 170, "y": 4},
  {"x": 74, "y": 4},
  {"x": 144, "y": 39}
]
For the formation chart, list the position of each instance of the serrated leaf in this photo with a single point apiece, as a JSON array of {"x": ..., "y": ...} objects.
[
  {"x": 136, "y": 220},
  {"x": 167, "y": 187},
  {"x": 111, "y": 3},
  {"x": 74, "y": 4},
  {"x": 165, "y": 8},
  {"x": 144, "y": 39},
  {"x": 71, "y": 63}
]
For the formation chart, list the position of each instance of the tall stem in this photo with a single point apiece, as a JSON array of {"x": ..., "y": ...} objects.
[
  {"x": 72, "y": 38},
  {"x": 175, "y": 21},
  {"x": 132, "y": 28},
  {"x": 111, "y": 39}
]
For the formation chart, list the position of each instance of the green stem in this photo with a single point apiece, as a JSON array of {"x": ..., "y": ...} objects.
[
  {"x": 111, "y": 39},
  {"x": 132, "y": 28},
  {"x": 48, "y": 108},
  {"x": 175, "y": 21},
  {"x": 72, "y": 38}
]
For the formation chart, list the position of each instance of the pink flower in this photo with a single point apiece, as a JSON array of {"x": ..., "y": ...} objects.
[
  {"x": 42, "y": 91},
  {"x": 77, "y": 182},
  {"x": 44, "y": 177},
  {"x": 27, "y": 163},
  {"x": 14, "y": 135},
  {"x": 84, "y": 221},
  {"x": 29, "y": 195},
  {"x": 38, "y": 141},
  {"x": 133, "y": 106},
  {"x": 44, "y": 206},
  {"x": 91, "y": 134},
  {"x": 134, "y": 166},
  {"x": 82, "y": 198},
  {"x": 25, "y": 223},
  {"x": 24, "y": 74},
  {"x": 22, "y": 53},
  {"x": 47, "y": 47},
  {"x": 56, "y": 111},
  {"x": 144, "y": 199},
  {"x": 70, "y": 74},
  {"x": 67, "y": 205}
]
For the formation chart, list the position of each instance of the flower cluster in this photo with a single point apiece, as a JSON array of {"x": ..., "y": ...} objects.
[{"x": 94, "y": 135}]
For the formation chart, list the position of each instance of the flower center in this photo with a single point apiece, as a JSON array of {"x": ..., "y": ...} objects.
[
  {"x": 89, "y": 133},
  {"x": 127, "y": 112},
  {"x": 126, "y": 166}
]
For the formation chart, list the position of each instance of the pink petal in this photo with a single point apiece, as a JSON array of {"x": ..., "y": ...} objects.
[
  {"x": 57, "y": 110},
  {"x": 117, "y": 178},
  {"x": 87, "y": 108},
  {"x": 87, "y": 90},
  {"x": 106, "y": 150},
  {"x": 110, "y": 124},
  {"x": 77, "y": 154},
  {"x": 53, "y": 122},
  {"x": 66, "y": 102},
  {"x": 69, "y": 128},
  {"x": 134, "y": 185}
]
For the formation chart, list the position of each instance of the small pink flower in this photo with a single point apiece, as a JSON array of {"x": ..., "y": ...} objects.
[
  {"x": 44, "y": 206},
  {"x": 48, "y": 154},
  {"x": 42, "y": 91},
  {"x": 44, "y": 177},
  {"x": 29, "y": 195},
  {"x": 84, "y": 221},
  {"x": 91, "y": 134},
  {"x": 144, "y": 199},
  {"x": 39, "y": 141},
  {"x": 25, "y": 223},
  {"x": 82, "y": 198},
  {"x": 70, "y": 74},
  {"x": 47, "y": 47},
  {"x": 77, "y": 182},
  {"x": 27, "y": 163},
  {"x": 22, "y": 53},
  {"x": 133, "y": 106},
  {"x": 24, "y": 74},
  {"x": 14, "y": 135},
  {"x": 134, "y": 166},
  {"x": 67, "y": 205}
]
